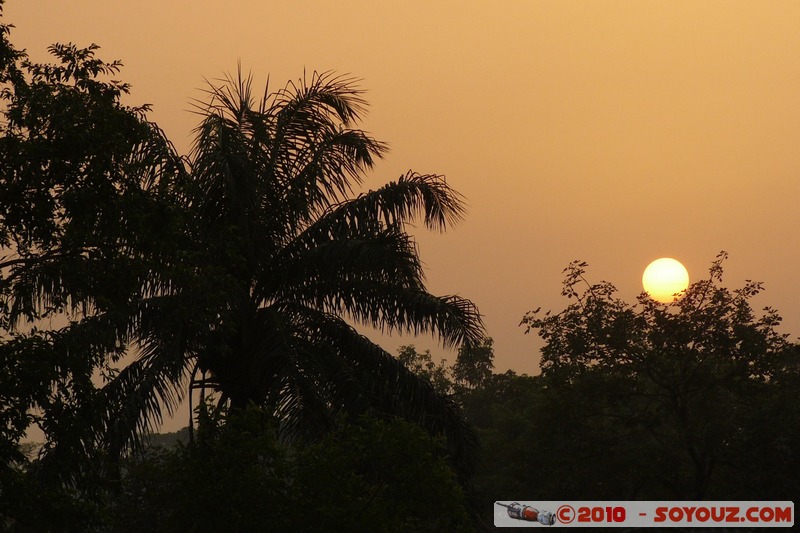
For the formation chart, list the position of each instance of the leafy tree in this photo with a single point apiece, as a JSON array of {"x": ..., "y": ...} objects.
[
  {"x": 237, "y": 475},
  {"x": 421, "y": 364},
  {"x": 396, "y": 460},
  {"x": 675, "y": 395},
  {"x": 506, "y": 412},
  {"x": 85, "y": 215},
  {"x": 234, "y": 475},
  {"x": 473, "y": 367}
]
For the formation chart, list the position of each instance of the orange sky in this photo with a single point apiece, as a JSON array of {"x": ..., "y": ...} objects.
[{"x": 612, "y": 132}]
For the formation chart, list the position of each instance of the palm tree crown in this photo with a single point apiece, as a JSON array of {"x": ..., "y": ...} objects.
[{"x": 276, "y": 254}]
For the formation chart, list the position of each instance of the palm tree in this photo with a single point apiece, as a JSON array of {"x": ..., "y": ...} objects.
[{"x": 278, "y": 257}]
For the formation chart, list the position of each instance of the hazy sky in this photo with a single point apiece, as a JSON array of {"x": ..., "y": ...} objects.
[{"x": 611, "y": 132}]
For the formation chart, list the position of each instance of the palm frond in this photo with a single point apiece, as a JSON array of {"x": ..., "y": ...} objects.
[
  {"x": 231, "y": 98},
  {"x": 391, "y": 308},
  {"x": 312, "y": 132},
  {"x": 361, "y": 375},
  {"x": 324, "y": 172},
  {"x": 154, "y": 162},
  {"x": 324, "y": 98},
  {"x": 223, "y": 170},
  {"x": 132, "y": 403},
  {"x": 48, "y": 284},
  {"x": 368, "y": 253},
  {"x": 396, "y": 204}
]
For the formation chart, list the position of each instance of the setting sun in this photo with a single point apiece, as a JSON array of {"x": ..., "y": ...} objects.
[{"x": 664, "y": 278}]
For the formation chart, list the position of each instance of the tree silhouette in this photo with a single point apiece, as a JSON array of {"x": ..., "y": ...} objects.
[
  {"x": 239, "y": 269},
  {"x": 473, "y": 367},
  {"x": 238, "y": 476},
  {"x": 84, "y": 208},
  {"x": 679, "y": 396},
  {"x": 280, "y": 252}
]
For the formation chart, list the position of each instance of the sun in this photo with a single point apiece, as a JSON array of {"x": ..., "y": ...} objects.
[{"x": 664, "y": 278}]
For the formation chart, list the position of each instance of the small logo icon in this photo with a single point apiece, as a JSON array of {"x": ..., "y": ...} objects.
[{"x": 528, "y": 513}]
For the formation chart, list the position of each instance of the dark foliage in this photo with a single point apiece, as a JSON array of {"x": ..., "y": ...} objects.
[
  {"x": 369, "y": 476},
  {"x": 688, "y": 400},
  {"x": 84, "y": 216},
  {"x": 130, "y": 274}
]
